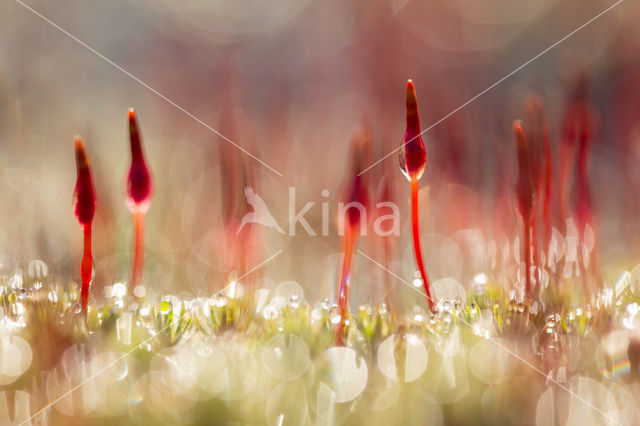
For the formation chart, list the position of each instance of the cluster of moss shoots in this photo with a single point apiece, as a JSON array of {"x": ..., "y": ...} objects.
[{"x": 138, "y": 328}]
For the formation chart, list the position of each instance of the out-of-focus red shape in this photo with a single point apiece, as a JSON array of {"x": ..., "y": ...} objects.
[
  {"x": 525, "y": 187},
  {"x": 540, "y": 154},
  {"x": 525, "y": 194},
  {"x": 357, "y": 192},
  {"x": 533, "y": 107},
  {"x": 576, "y": 118},
  {"x": 585, "y": 127},
  {"x": 413, "y": 156},
  {"x": 139, "y": 185},
  {"x": 543, "y": 174},
  {"x": 84, "y": 208},
  {"x": 236, "y": 178},
  {"x": 581, "y": 122}
]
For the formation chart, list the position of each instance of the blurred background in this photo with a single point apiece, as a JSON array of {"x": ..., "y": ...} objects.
[{"x": 291, "y": 81}]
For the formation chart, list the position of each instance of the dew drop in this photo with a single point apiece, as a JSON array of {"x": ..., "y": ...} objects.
[
  {"x": 204, "y": 349},
  {"x": 413, "y": 351},
  {"x": 16, "y": 280},
  {"x": 270, "y": 312},
  {"x": 402, "y": 160},
  {"x": 165, "y": 307},
  {"x": 345, "y": 373},
  {"x": 118, "y": 290},
  {"x": 316, "y": 314},
  {"x": 37, "y": 269},
  {"x": 286, "y": 357}
]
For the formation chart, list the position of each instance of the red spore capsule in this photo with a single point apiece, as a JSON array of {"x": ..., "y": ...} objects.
[
  {"x": 413, "y": 161},
  {"x": 84, "y": 193},
  {"x": 413, "y": 156},
  {"x": 84, "y": 209},
  {"x": 139, "y": 192},
  {"x": 139, "y": 185}
]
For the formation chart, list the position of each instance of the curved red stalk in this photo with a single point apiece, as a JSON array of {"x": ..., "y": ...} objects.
[
  {"x": 348, "y": 245},
  {"x": 525, "y": 193},
  {"x": 386, "y": 195},
  {"x": 541, "y": 172},
  {"x": 546, "y": 186},
  {"x": 413, "y": 161},
  {"x": 84, "y": 209},
  {"x": 357, "y": 192},
  {"x": 583, "y": 193},
  {"x": 573, "y": 115},
  {"x": 583, "y": 206},
  {"x": 417, "y": 249},
  {"x": 580, "y": 122},
  {"x": 139, "y": 192}
]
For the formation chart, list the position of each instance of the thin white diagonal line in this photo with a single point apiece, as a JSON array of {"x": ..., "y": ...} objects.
[
  {"x": 509, "y": 351},
  {"x": 607, "y": 10},
  {"x": 401, "y": 279},
  {"x": 130, "y": 351},
  {"x": 128, "y": 74},
  {"x": 260, "y": 265}
]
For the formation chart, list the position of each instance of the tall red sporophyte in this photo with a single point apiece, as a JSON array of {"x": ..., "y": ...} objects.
[
  {"x": 540, "y": 157},
  {"x": 587, "y": 229},
  {"x": 525, "y": 194},
  {"x": 413, "y": 161},
  {"x": 354, "y": 220},
  {"x": 139, "y": 192},
  {"x": 84, "y": 207},
  {"x": 537, "y": 119}
]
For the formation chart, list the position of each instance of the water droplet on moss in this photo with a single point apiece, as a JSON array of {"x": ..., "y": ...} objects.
[{"x": 165, "y": 307}]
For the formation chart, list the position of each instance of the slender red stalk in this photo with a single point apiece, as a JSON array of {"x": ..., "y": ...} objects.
[
  {"x": 571, "y": 134},
  {"x": 531, "y": 237},
  {"x": 525, "y": 192},
  {"x": 139, "y": 192},
  {"x": 583, "y": 193},
  {"x": 413, "y": 161},
  {"x": 86, "y": 268},
  {"x": 583, "y": 203},
  {"x": 138, "y": 248},
  {"x": 84, "y": 209},
  {"x": 354, "y": 220},
  {"x": 386, "y": 195},
  {"x": 348, "y": 245},
  {"x": 547, "y": 187},
  {"x": 417, "y": 249},
  {"x": 540, "y": 154}
]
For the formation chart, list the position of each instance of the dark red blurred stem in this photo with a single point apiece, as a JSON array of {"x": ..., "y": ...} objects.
[
  {"x": 138, "y": 250},
  {"x": 525, "y": 193},
  {"x": 532, "y": 245},
  {"x": 527, "y": 255},
  {"x": 349, "y": 243},
  {"x": 86, "y": 268},
  {"x": 390, "y": 296},
  {"x": 84, "y": 209},
  {"x": 417, "y": 249},
  {"x": 547, "y": 200}
]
